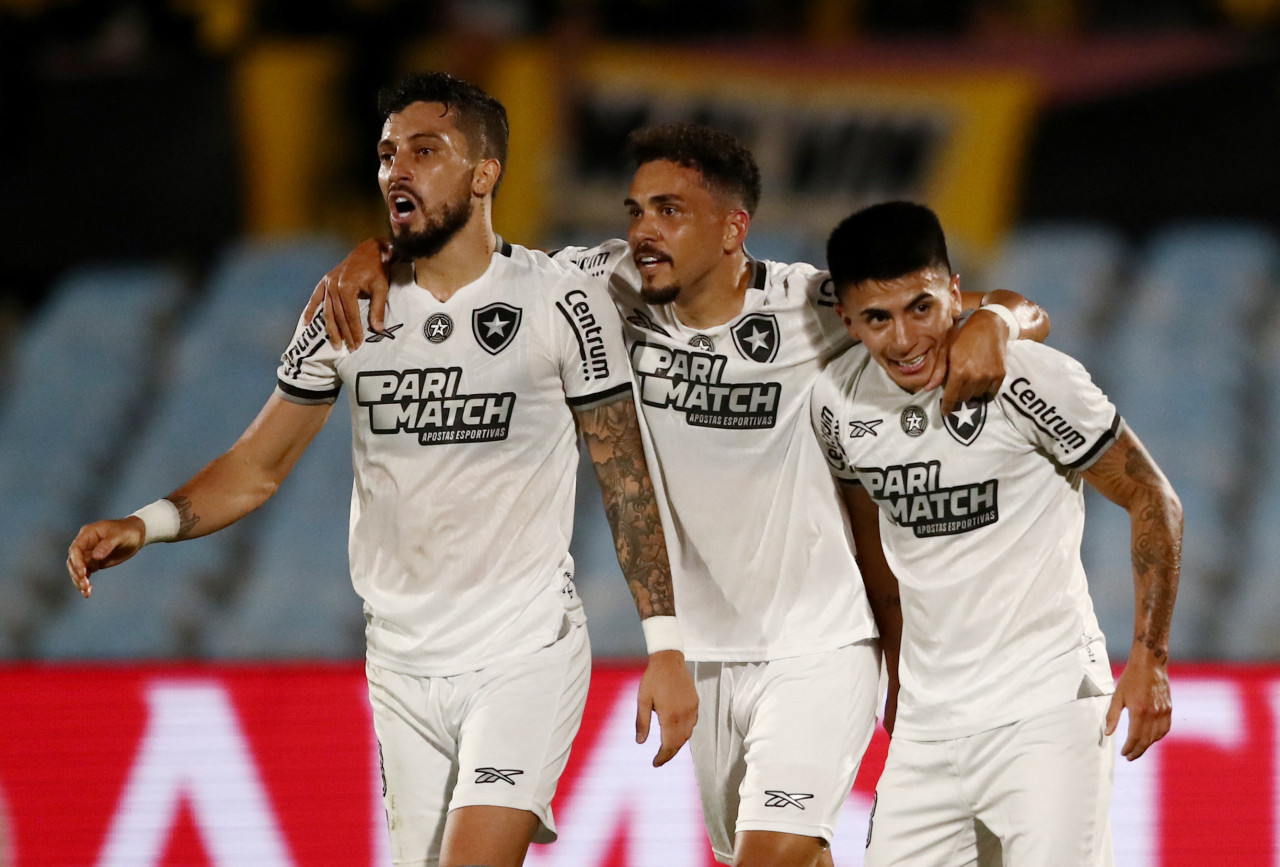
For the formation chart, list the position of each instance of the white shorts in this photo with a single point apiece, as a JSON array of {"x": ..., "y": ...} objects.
[
  {"x": 1034, "y": 793},
  {"x": 496, "y": 737},
  {"x": 778, "y": 743}
]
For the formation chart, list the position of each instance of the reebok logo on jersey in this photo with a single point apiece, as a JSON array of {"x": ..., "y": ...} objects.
[
  {"x": 912, "y": 496},
  {"x": 494, "y": 326},
  {"x": 388, "y": 333},
  {"x": 690, "y": 382},
  {"x": 862, "y": 428},
  {"x": 640, "y": 319},
  {"x": 1045, "y": 416},
  {"x": 779, "y": 798},
  {"x": 577, "y": 311},
  {"x": 494, "y": 775},
  {"x": 756, "y": 337},
  {"x": 965, "y": 422},
  {"x": 427, "y": 403}
]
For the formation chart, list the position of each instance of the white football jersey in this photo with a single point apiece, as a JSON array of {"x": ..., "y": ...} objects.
[
  {"x": 465, "y": 456},
  {"x": 981, "y": 515},
  {"x": 761, "y": 555}
]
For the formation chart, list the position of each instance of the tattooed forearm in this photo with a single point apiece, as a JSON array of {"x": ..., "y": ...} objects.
[
  {"x": 187, "y": 519},
  {"x": 1127, "y": 476},
  {"x": 612, "y": 436}
]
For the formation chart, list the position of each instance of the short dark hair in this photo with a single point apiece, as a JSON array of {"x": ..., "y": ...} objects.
[
  {"x": 884, "y": 242},
  {"x": 480, "y": 117},
  {"x": 726, "y": 164}
]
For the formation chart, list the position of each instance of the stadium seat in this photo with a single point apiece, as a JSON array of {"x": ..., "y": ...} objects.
[
  {"x": 223, "y": 371},
  {"x": 1179, "y": 378},
  {"x": 1073, "y": 271},
  {"x": 83, "y": 366},
  {"x": 297, "y": 599}
]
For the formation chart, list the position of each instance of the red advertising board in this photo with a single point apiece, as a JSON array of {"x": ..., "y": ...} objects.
[{"x": 245, "y": 766}]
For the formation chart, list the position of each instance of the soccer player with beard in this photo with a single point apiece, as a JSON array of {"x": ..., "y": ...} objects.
[
  {"x": 774, "y": 618},
  {"x": 465, "y": 404},
  {"x": 1006, "y": 692}
]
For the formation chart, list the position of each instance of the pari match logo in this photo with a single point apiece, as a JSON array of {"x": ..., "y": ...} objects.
[
  {"x": 429, "y": 403},
  {"x": 692, "y": 382},
  {"x": 913, "y": 495}
]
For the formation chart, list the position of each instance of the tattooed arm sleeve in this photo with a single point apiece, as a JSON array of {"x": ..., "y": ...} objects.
[
  {"x": 1126, "y": 475},
  {"x": 612, "y": 435}
]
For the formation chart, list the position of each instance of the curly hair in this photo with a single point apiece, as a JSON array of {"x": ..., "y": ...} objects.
[{"x": 726, "y": 164}]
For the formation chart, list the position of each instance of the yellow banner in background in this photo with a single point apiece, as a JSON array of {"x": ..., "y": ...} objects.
[{"x": 829, "y": 137}]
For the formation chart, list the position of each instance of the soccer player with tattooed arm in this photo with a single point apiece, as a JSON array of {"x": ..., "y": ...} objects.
[
  {"x": 466, "y": 407},
  {"x": 724, "y": 350},
  {"x": 968, "y": 524}
]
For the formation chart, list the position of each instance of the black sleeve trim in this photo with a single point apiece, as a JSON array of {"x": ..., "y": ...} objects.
[
  {"x": 1108, "y": 437},
  {"x": 601, "y": 397},
  {"x": 326, "y": 396},
  {"x": 503, "y": 247}
]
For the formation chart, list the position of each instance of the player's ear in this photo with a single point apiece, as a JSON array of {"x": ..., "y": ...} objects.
[
  {"x": 954, "y": 291},
  {"x": 735, "y": 229},
  {"x": 484, "y": 177}
]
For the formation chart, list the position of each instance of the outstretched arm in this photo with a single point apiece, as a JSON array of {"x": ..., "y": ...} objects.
[
  {"x": 612, "y": 435},
  {"x": 227, "y": 489},
  {"x": 976, "y": 362},
  {"x": 362, "y": 274},
  {"x": 1128, "y": 476},
  {"x": 881, "y": 584}
]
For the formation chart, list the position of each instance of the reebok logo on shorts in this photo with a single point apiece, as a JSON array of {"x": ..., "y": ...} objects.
[
  {"x": 778, "y": 798},
  {"x": 493, "y": 775}
]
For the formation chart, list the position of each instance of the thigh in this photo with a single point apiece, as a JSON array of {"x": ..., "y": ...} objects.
[
  {"x": 808, "y": 721},
  {"x": 492, "y": 836},
  {"x": 519, "y": 722},
  {"x": 417, "y": 753},
  {"x": 920, "y": 817},
  {"x": 717, "y": 748},
  {"x": 1045, "y": 787}
]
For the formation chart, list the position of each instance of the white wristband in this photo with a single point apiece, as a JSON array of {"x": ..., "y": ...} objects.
[
  {"x": 161, "y": 519},
  {"x": 1015, "y": 329},
  {"x": 661, "y": 633}
]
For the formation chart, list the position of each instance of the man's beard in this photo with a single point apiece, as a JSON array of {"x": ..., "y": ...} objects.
[
  {"x": 440, "y": 230},
  {"x": 659, "y": 295}
]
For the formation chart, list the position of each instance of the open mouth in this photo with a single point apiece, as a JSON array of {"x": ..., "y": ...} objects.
[{"x": 402, "y": 206}]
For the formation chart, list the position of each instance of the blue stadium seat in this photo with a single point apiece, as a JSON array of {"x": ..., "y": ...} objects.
[
  {"x": 1178, "y": 377},
  {"x": 297, "y": 599},
  {"x": 223, "y": 371},
  {"x": 1072, "y": 271},
  {"x": 82, "y": 367}
]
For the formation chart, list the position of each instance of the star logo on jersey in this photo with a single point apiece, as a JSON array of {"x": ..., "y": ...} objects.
[
  {"x": 388, "y": 333},
  {"x": 438, "y": 327},
  {"x": 494, "y": 775},
  {"x": 966, "y": 420},
  {"x": 862, "y": 428},
  {"x": 494, "y": 326},
  {"x": 756, "y": 337},
  {"x": 914, "y": 421},
  {"x": 779, "y": 798},
  {"x": 640, "y": 319},
  {"x": 702, "y": 342}
]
